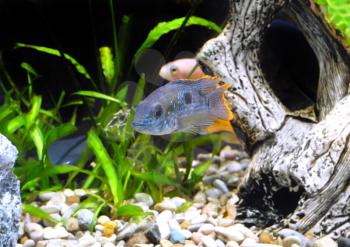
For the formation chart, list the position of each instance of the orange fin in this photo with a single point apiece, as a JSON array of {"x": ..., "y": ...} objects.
[{"x": 219, "y": 125}]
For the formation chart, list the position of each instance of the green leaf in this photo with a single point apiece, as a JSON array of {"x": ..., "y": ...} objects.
[
  {"x": 80, "y": 68},
  {"x": 29, "y": 69},
  {"x": 107, "y": 63},
  {"x": 37, "y": 212},
  {"x": 165, "y": 27},
  {"x": 34, "y": 111},
  {"x": 130, "y": 211},
  {"x": 15, "y": 124},
  {"x": 59, "y": 132},
  {"x": 98, "y": 95},
  {"x": 106, "y": 162},
  {"x": 38, "y": 140}
]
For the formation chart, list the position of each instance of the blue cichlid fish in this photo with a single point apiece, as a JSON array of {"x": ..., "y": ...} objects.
[{"x": 185, "y": 106}]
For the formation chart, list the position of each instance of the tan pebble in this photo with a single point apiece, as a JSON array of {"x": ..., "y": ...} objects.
[
  {"x": 103, "y": 219},
  {"x": 231, "y": 210},
  {"x": 109, "y": 228},
  {"x": 295, "y": 245},
  {"x": 72, "y": 199},
  {"x": 41, "y": 243},
  {"x": 137, "y": 238},
  {"x": 290, "y": 240},
  {"x": 197, "y": 237},
  {"x": 178, "y": 245},
  {"x": 165, "y": 243},
  {"x": 185, "y": 224},
  {"x": 189, "y": 242},
  {"x": 72, "y": 224},
  {"x": 23, "y": 239},
  {"x": 266, "y": 238}
]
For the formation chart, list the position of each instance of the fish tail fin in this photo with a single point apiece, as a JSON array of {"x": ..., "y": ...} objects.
[{"x": 218, "y": 104}]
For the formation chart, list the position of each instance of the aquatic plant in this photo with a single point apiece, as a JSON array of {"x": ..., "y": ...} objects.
[
  {"x": 337, "y": 13},
  {"x": 116, "y": 163}
]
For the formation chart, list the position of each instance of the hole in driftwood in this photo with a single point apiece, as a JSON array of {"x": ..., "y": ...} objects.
[{"x": 290, "y": 65}]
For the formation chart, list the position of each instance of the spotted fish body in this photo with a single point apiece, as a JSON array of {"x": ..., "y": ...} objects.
[{"x": 183, "y": 106}]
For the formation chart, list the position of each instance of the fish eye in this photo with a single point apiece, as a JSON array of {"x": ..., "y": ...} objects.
[
  {"x": 158, "y": 111},
  {"x": 173, "y": 68}
]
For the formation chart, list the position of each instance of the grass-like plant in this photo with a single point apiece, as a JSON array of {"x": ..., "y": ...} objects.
[{"x": 124, "y": 164}]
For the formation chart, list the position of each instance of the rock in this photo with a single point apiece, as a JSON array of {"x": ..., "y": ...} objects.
[
  {"x": 10, "y": 199},
  {"x": 232, "y": 244},
  {"x": 68, "y": 192},
  {"x": 29, "y": 243},
  {"x": 51, "y": 209},
  {"x": 233, "y": 166},
  {"x": 54, "y": 216},
  {"x": 343, "y": 242},
  {"x": 248, "y": 241},
  {"x": 46, "y": 196},
  {"x": 153, "y": 234},
  {"x": 86, "y": 241},
  {"x": 176, "y": 236},
  {"x": 109, "y": 245},
  {"x": 200, "y": 197},
  {"x": 37, "y": 235},
  {"x": 127, "y": 231},
  {"x": 72, "y": 224},
  {"x": 289, "y": 232},
  {"x": 290, "y": 240},
  {"x": 220, "y": 243},
  {"x": 121, "y": 243},
  {"x": 163, "y": 225},
  {"x": 178, "y": 201},
  {"x": 72, "y": 199},
  {"x": 80, "y": 192},
  {"x": 230, "y": 234},
  {"x": 213, "y": 193},
  {"x": 85, "y": 217},
  {"x": 246, "y": 231},
  {"x": 61, "y": 242},
  {"x": 67, "y": 211},
  {"x": 57, "y": 232},
  {"x": 261, "y": 245},
  {"x": 232, "y": 182},
  {"x": 42, "y": 243},
  {"x": 206, "y": 229},
  {"x": 166, "y": 204},
  {"x": 165, "y": 243},
  {"x": 104, "y": 240},
  {"x": 208, "y": 241},
  {"x": 109, "y": 228},
  {"x": 325, "y": 242},
  {"x": 197, "y": 237},
  {"x": 144, "y": 198}
]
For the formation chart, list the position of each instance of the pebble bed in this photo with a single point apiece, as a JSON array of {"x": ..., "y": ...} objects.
[{"x": 208, "y": 222}]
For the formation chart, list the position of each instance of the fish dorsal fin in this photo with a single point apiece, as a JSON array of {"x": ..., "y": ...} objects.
[
  {"x": 205, "y": 85},
  {"x": 218, "y": 105}
]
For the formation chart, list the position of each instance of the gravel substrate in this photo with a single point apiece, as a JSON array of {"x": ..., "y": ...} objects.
[{"x": 209, "y": 221}]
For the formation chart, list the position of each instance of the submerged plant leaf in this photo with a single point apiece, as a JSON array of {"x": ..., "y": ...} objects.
[
  {"x": 80, "y": 68},
  {"x": 106, "y": 162},
  {"x": 38, "y": 139},
  {"x": 107, "y": 63},
  {"x": 97, "y": 95},
  {"x": 130, "y": 211},
  {"x": 165, "y": 27},
  {"x": 37, "y": 212}
]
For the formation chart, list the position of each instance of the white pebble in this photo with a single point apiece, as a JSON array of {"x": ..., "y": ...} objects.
[
  {"x": 220, "y": 243},
  {"x": 206, "y": 229},
  {"x": 246, "y": 231},
  {"x": 45, "y": 196},
  {"x": 208, "y": 241},
  {"x": 57, "y": 232},
  {"x": 36, "y": 235},
  {"x": 29, "y": 243},
  {"x": 80, "y": 192},
  {"x": 72, "y": 224},
  {"x": 230, "y": 234},
  {"x": 232, "y": 244},
  {"x": 109, "y": 245},
  {"x": 221, "y": 185},
  {"x": 178, "y": 201},
  {"x": 86, "y": 241},
  {"x": 325, "y": 242},
  {"x": 103, "y": 219},
  {"x": 248, "y": 241},
  {"x": 145, "y": 198},
  {"x": 213, "y": 193},
  {"x": 68, "y": 192},
  {"x": 166, "y": 204}
]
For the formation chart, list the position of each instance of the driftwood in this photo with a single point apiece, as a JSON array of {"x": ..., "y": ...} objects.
[{"x": 300, "y": 167}]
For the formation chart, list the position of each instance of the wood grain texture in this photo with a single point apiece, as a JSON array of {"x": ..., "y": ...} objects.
[{"x": 299, "y": 172}]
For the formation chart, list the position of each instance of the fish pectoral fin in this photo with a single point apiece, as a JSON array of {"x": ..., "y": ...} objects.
[
  {"x": 219, "y": 125},
  {"x": 218, "y": 105},
  {"x": 195, "y": 124}
]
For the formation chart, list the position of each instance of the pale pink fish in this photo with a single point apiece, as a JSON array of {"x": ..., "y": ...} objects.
[{"x": 184, "y": 68}]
